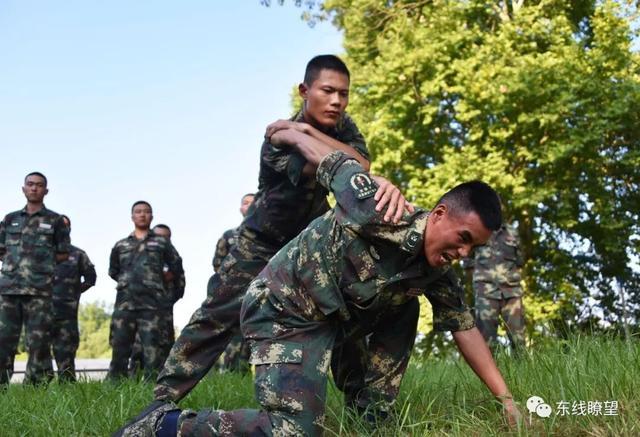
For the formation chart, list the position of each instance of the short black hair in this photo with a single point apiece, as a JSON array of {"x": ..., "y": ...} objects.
[
  {"x": 478, "y": 197},
  {"x": 37, "y": 173},
  {"x": 163, "y": 226},
  {"x": 324, "y": 62},
  {"x": 64, "y": 217},
  {"x": 141, "y": 202}
]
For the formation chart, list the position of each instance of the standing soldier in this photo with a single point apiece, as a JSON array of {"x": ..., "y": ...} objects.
[
  {"x": 496, "y": 284},
  {"x": 137, "y": 264},
  {"x": 72, "y": 278},
  {"x": 236, "y": 355},
  {"x": 174, "y": 290},
  {"x": 32, "y": 241},
  {"x": 288, "y": 199},
  {"x": 349, "y": 273}
]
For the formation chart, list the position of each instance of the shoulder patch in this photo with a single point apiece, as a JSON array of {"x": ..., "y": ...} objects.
[
  {"x": 410, "y": 241},
  {"x": 363, "y": 185}
]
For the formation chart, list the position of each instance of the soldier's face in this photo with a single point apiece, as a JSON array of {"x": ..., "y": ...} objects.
[
  {"x": 325, "y": 99},
  {"x": 245, "y": 204},
  {"x": 141, "y": 216},
  {"x": 450, "y": 236},
  {"x": 35, "y": 188}
]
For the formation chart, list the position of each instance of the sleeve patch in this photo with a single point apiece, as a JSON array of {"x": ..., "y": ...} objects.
[{"x": 363, "y": 185}]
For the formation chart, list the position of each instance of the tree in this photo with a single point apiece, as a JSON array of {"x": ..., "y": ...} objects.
[
  {"x": 541, "y": 99},
  {"x": 94, "y": 320}
]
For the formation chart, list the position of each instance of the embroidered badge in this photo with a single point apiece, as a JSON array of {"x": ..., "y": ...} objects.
[
  {"x": 45, "y": 225},
  {"x": 153, "y": 243},
  {"x": 411, "y": 240},
  {"x": 363, "y": 185}
]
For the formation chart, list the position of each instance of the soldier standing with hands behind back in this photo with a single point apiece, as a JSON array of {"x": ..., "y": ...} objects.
[
  {"x": 32, "y": 241},
  {"x": 137, "y": 264}
]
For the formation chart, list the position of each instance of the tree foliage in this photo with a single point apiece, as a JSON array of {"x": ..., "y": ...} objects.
[
  {"x": 94, "y": 320},
  {"x": 541, "y": 99}
]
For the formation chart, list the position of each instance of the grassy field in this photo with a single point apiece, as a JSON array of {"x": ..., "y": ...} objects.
[{"x": 437, "y": 398}]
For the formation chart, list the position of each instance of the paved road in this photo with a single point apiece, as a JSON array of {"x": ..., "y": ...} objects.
[{"x": 81, "y": 364}]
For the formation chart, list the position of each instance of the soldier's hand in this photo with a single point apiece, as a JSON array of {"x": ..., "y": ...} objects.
[
  {"x": 282, "y": 125},
  {"x": 511, "y": 413},
  {"x": 285, "y": 137},
  {"x": 390, "y": 196}
]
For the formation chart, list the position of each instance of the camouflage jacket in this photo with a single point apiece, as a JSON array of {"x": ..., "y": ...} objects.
[
  {"x": 353, "y": 263},
  {"x": 28, "y": 248},
  {"x": 73, "y": 276},
  {"x": 287, "y": 201},
  {"x": 138, "y": 267},
  {"x": 499, "y": 263},
  {"x": 223, "y": 247}
]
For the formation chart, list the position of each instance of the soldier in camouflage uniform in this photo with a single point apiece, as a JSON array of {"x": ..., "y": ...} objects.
[
  {"x": 32, "y": 241},
  {"x": 496, "y": 284},
  {"x": 236, "y": 355},
  {"x": 72, "y": 278},
  {"x": 174, "y": 290},
  {"x": 137, "y": 264},
  {"x": 349, "y": 274},
  {"x": 288, "y": 199}
]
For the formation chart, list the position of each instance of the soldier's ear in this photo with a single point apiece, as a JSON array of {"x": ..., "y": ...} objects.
[
  {"x": 439, "y": 212},
  {"x": 303, "y": 90},
  {"x": 46, "y": 191}
]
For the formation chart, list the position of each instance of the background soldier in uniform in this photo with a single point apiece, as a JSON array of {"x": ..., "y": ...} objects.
[
  {"x": 349, "y": 273},
  {"x": 137, "y": 264},
  {"x": 32, "y": 241},
  {"x": 174, "y": 290},
  {"x": 288, "y": 199},
  {"x": 496, "y": 285},
  {"x": 236, "y": 354},
  {"x": 72, "y": 278}
]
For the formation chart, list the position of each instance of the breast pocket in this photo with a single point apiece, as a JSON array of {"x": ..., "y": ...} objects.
[
  {"x": 358, "y": 281},
  {"x": 44, "y": 237},
  {"x": 154, "y": 256},
  {"x": 13, "y": 236}
]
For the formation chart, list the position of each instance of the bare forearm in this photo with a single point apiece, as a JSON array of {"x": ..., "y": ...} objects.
[
  {"x": 336, "y": 145},
  {"x": 477, "y": 354}
]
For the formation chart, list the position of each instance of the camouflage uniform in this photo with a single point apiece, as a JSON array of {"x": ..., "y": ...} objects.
[
  {"x": 286, "y": 202},
  {"x": 67, "y": 288},
  {"x": 174, "y": 290},
  {"x": 140, "y": 308},
  {"x": 496, "y": 284},
  {"x": 28, "y": 248},
  {"x": 346, "y": 276},
  {"x": 236, "y": 355}
]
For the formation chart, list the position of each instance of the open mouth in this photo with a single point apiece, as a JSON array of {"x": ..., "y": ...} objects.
[{"x": 446, "y": 258}]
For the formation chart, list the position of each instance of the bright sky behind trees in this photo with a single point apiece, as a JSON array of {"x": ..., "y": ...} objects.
[{"x": 158, "y": 100}]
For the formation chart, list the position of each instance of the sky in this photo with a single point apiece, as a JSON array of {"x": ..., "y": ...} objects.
[{"x": 157, "y": 100}]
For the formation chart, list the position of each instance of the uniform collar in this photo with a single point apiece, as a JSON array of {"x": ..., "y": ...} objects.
[{"x": 23, "y": 211}]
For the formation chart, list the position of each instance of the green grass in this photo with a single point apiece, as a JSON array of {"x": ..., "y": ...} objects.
[{"x": 437, "y": 397}]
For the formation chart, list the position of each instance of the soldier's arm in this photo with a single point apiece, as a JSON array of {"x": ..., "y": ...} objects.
[
  {"x": 173, "y": 260},
  {"x": 222, "y": 249},
  {"x": 88, "y": 272},
  {"x": 61, "y": 240},
  {"x": 3, "y": 235},
  {"x": 180, "y": 284},
  {"x": 114, "y": 263},
  {"x": 477, "y": 354},
  {"x": 353, "y": 146}
]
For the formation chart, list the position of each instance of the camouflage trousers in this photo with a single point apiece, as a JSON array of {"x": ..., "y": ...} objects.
[
  {"x": 293, "y": 353},
  {"x": 214, "y": 324},
  {"x": 35, "y": 312},
  {"x": 136, "y": 361},
  {"x": 150, "y": 326},
  {"x": 65, "y": 338},
  {"x": 489, "y": 310}
]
